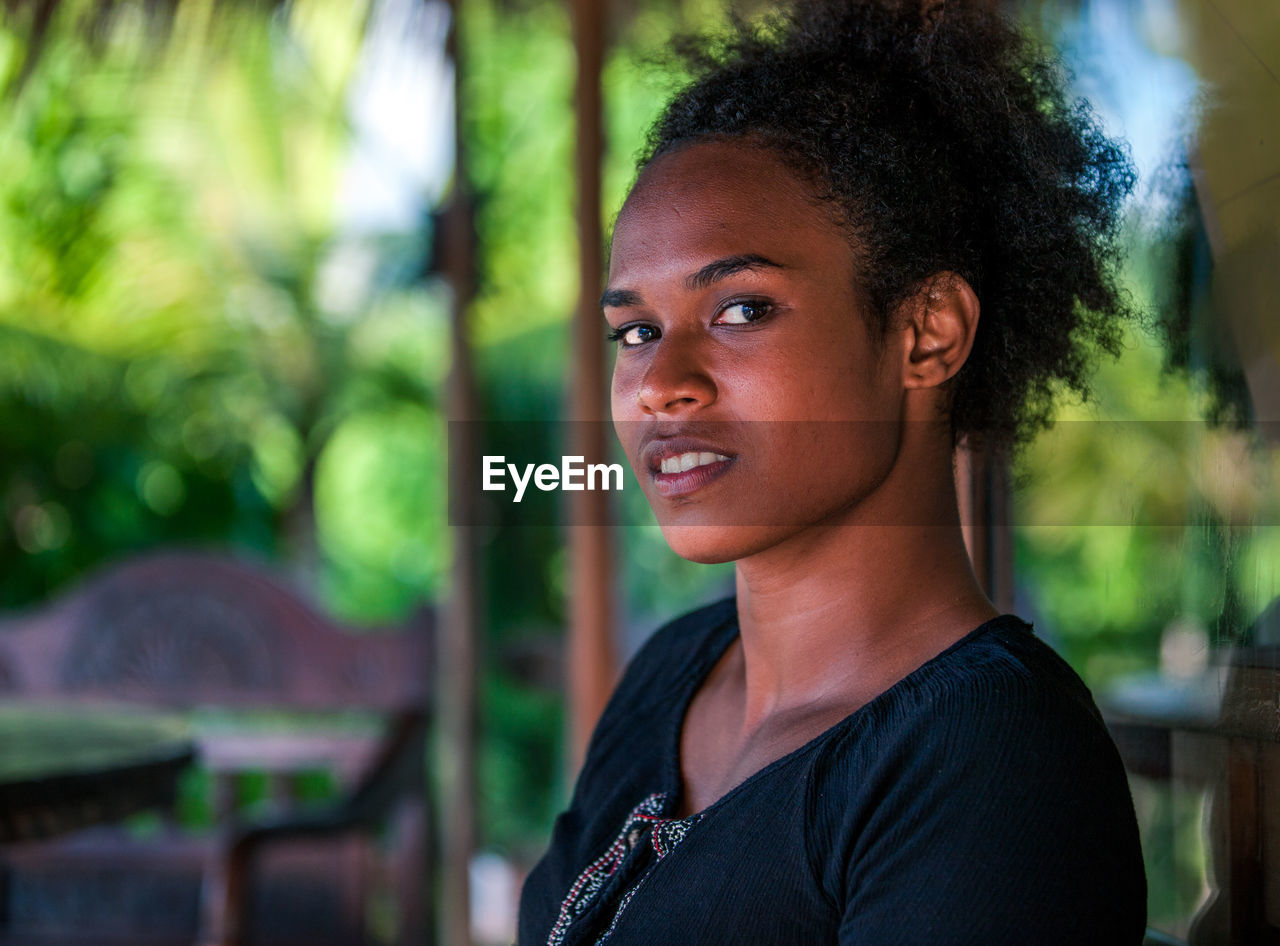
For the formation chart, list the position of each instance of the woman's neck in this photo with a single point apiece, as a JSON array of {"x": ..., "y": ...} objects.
[{"x": 842, "y": 612}]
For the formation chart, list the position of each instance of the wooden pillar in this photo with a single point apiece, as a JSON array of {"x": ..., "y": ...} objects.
[
  {"x": 591, "y": 659},
  {"x": 458, "y": 661}
]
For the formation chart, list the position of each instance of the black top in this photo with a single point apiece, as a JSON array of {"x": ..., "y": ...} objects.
[{"x": 978, "y": 800}]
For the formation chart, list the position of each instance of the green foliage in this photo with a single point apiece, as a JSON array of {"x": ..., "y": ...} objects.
[
  {"x": 517, "y": 106},
  {"x": 1153, "y": 516},
  {"x": 379, "y": 519},
  {"x": 172, "y": 369},
  {"x": 521, "y": 772}
]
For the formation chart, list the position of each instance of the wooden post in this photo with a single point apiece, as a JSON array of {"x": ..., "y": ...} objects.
[
  {"x": 591, "y": 657},
  {"x": 458, "y": 663}
]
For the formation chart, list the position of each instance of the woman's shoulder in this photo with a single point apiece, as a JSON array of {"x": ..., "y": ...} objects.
[
  {"x": 663, "y": 666},
  {"x": 993, "y": 754},
  {"x": 683, "y": 646},
  {"x": 995, "y": 714},
  {"x": 1001, "y": 667}
]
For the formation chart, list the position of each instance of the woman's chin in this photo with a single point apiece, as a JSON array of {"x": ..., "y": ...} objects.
[{"x": 713, "y": 544}]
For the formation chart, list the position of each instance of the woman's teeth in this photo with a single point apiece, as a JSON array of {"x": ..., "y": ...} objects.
[{"x": 687, "y": 461}]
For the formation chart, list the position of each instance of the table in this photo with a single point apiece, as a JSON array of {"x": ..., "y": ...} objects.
[{"x": 63, "y": 768}]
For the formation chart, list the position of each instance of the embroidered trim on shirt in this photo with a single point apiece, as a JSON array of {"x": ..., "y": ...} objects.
[
  {"x": 666, "y": 834},
  {"x": 590, "y": 881}
]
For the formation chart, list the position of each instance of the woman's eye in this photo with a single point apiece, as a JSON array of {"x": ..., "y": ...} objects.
[
  {"x": 740, "y": 313},
  {"x": 632, "y": 335}
]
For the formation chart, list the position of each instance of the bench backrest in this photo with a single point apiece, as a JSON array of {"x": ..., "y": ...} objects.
[{"x": 183, "y": 629}]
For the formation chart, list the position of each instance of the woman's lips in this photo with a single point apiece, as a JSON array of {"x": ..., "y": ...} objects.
[
  {"x": 688, "y": 481},
  {"x": 681, "y": 466},
  {"x": 687, "y": 461}
]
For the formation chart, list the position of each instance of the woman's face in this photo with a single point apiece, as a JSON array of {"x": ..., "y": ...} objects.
[{"x": 751, "y": 399}]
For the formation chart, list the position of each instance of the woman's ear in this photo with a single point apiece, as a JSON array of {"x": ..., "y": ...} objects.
[{"x": 940, "y": 324}]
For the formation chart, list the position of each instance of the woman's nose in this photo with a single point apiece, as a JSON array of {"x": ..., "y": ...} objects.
[{"x": 676, "y": 380}]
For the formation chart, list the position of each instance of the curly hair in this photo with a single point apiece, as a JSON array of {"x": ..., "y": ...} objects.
[{"x": 944, "y": 140}]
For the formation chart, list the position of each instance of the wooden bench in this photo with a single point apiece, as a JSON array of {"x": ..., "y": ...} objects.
[{"x": 225, "y": 642}]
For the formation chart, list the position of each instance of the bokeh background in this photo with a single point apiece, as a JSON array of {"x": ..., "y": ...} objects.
[{"x": 228, "y": 315}]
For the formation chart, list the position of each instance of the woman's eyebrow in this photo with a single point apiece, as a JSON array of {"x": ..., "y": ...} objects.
[
  {"x": 729, "y": 266},
  {"x": 619, "y": 298},
  {"x": 711, "y": 273}
]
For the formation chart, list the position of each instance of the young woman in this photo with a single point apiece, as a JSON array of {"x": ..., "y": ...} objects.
[{"x": 863, "y": 234}]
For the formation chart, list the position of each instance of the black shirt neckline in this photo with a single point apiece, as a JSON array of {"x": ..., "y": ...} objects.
[{"x": 725, "y": 632}]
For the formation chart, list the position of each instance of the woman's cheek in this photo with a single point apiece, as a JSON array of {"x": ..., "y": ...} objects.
[{"x": 622, "y": 391}]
